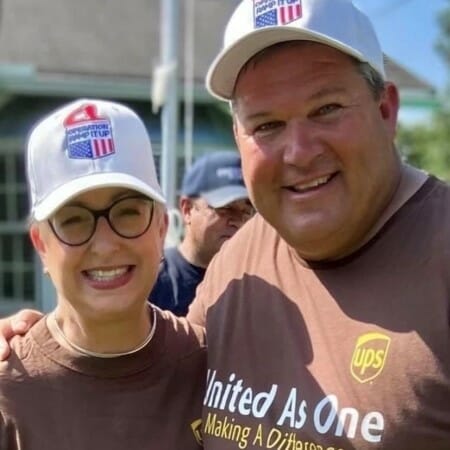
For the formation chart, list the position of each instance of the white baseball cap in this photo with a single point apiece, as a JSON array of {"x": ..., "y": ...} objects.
[
  {"x": 85, "y": 145},
  {"x": 258, "y": 24}
]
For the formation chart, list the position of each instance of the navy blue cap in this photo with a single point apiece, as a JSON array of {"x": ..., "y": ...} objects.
[{"x": 217, "y": 177}]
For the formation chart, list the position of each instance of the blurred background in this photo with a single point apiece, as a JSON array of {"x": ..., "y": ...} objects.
[{"x": 153, "y": 56}]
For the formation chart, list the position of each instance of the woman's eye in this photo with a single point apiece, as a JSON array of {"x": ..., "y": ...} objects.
[
  {"x": 72, "y": 220},
  {"x": 130, "y": 211}
]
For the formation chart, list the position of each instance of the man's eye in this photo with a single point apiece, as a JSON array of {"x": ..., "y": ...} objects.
[
  {"x": 267, "y": 127},
  {"x": 328, "y": 109}
]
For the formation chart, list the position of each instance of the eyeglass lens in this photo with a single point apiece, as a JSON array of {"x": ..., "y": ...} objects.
[{"x": 129, "y": 217}]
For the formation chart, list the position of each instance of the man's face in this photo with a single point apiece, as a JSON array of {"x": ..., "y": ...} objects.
[
  {"x": 210, "y": 227},
  {"x": 316, "y": 147}
]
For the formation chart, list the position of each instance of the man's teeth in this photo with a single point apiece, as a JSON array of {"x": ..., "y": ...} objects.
[
  {"x": 105, "y": 275},
  {"x": 312, "y": 184}
]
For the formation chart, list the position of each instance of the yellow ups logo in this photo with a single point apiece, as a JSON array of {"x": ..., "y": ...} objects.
[
  {"x": 369, "y": 356},
  {"x": 196, "y": 427}
]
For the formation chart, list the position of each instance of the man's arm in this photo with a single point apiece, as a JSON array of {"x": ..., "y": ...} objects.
[{"x": 18, "y": 323}]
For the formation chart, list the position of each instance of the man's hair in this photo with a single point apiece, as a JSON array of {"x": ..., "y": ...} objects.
[{"x": 372, "y": 77}]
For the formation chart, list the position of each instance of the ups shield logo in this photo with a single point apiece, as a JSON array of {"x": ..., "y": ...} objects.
[
  {"x": 196, "y": 427},
  {"x": 369, "y": 356}
]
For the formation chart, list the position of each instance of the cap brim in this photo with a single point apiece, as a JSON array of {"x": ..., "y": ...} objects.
[
  {"x": 224, "y": 70},
  {"x": 68, "y": 191},
  {"x": 225, "y": 195}
]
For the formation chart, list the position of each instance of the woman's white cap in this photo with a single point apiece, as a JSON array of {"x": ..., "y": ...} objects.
[
  {"x": 258, "y": 24},
  {"x": 86, "y": 145}
]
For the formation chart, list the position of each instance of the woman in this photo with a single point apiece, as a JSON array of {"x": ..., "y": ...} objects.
[{"x": 104, "y": 370}]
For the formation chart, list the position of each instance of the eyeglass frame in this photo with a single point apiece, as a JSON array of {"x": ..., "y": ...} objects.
[
  {"x": 97, "y": 213},
  {"x": 226, "y": 210}
]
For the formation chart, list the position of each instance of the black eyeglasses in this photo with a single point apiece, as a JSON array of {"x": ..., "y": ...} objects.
[
  {"x": 242, "y": 212},
  {"x": 129, "y": 217}
]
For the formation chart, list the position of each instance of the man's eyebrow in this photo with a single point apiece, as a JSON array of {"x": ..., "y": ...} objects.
[
  {"x": 324, "y": 92},
  {"x": 257, "y": 115},
  {"x": 328, "y": 90}
]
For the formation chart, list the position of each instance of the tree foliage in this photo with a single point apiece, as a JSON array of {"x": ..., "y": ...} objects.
[
  {"x": 443, "y": 42},
  {"x": 428, "y": 145}
]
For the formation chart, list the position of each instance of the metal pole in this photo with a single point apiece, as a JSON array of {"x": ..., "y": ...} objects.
[
  {"x": 189, "y": 82},
  {"x": 169, "y": 118}
]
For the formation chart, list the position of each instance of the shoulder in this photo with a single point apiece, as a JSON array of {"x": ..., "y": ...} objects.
[
  {"x": 29, "y": 353},
  {"x": 186, "y": 336},
  {"x": 19, "y": 364},
  {"x": 429, "y": 209},
  {"x": 435, "y": 192},
  {"x": 242, "y": 254},
  {"x": 244, "y": 250},
  {"x": 173, "y": 256},
  {"x": 183, "y": 347},
  {"x": 248, "y": 239},
  {"x": 441, "y": 191},
  {"x": 162, "y": 293},
  {"x": 173, "y": 262}
]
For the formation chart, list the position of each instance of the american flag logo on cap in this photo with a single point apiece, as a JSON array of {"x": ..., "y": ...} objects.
[
  {"x": 269, "y": 13},
  {"x": 88, "y": 136}
]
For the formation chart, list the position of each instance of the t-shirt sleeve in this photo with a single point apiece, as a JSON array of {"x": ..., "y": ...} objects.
[
  {"x": 225, "y": 266},
  {"x": 199, "y": 306},
  {"x": 206, "y": 292}
]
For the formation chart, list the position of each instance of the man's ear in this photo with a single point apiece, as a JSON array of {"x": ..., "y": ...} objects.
[
  {"x": 186, "y": 205},
  {"x": 389, "y": 106}
]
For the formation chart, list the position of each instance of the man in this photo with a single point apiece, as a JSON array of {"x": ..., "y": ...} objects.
[
  {"x": 327, "y": 315},
  {"x": 214, "y": 205}
]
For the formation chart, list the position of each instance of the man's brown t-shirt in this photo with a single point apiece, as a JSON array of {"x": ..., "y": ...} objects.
[{"x": 347, "y": 355}]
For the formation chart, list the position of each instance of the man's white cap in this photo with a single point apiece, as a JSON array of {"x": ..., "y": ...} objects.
[
  {"x": 258, "y": 24},
  {"x": 86, "y": 145}
]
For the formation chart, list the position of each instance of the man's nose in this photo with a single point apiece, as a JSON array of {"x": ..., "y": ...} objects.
[{"x": 302, "y": 144}]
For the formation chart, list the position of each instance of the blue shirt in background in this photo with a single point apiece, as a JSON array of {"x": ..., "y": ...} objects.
[{"x": 176, "y": 283}]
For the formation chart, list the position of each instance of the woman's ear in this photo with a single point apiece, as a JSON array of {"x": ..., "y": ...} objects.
[
  {"x": 164, "y": 224},
  {"x": 38, "y": 243},
  {"x": 36, "y": 233}
]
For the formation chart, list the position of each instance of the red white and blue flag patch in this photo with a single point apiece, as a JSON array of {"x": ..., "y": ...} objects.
[
  {"x": 268, "y": 13},
  {"x": 88, "y": 136}
]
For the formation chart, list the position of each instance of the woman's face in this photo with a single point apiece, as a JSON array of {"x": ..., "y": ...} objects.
[{"x": 109, "y": 275}]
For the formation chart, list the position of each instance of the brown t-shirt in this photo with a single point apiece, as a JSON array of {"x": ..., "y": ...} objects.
[
  {"x": 347, "y": 355},
  {"x": 53, "y": 399}
]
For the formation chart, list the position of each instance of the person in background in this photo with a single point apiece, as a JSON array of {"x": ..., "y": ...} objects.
[
  {"x": 214, "y": 204},
  {"x": 105, "y": 369}
]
